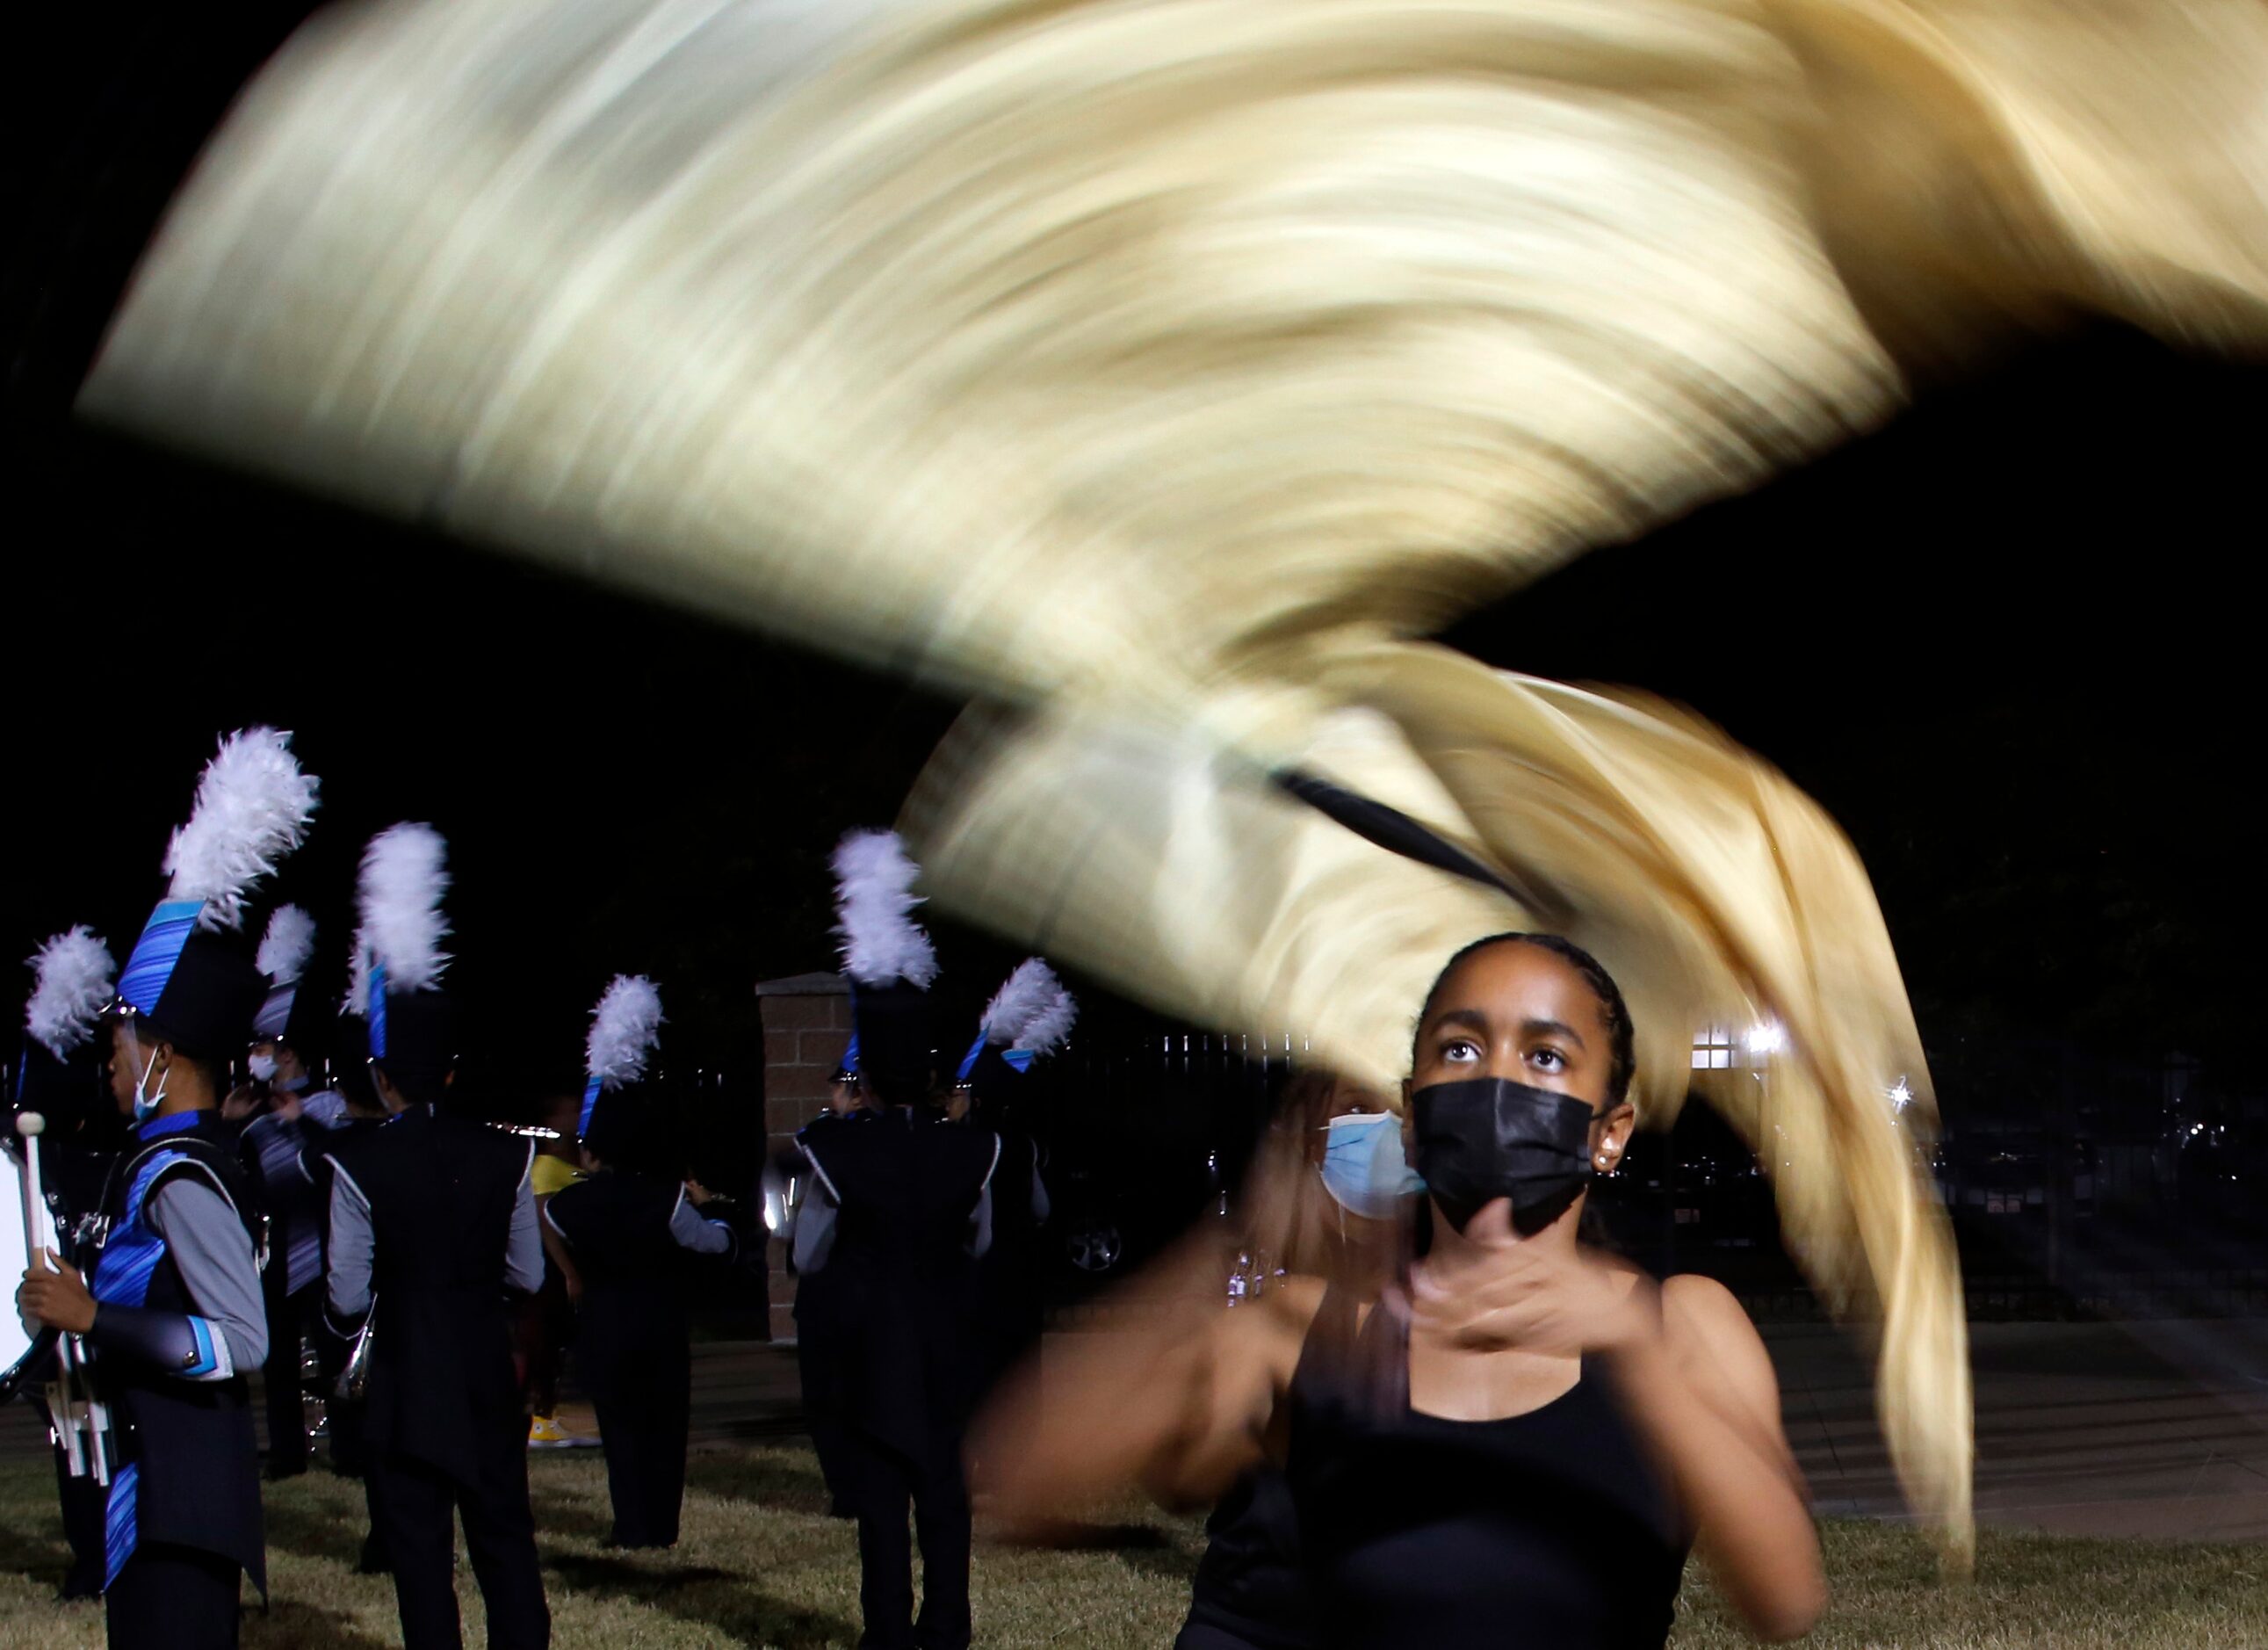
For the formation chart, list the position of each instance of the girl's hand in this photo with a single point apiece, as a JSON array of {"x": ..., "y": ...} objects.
[{"x": 1537, "y": 1297}]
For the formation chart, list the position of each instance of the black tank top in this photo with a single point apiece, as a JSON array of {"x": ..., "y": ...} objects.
[
  {"x": 1249, "y": 1584},
  {"x": 1550, "y": 1530}
]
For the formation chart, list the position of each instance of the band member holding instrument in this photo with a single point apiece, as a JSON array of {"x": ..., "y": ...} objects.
[
  {"x": 633, "y": 1227},
  {"x": 169, "y": 1302},
  {"x": 432, "y": 1220},
  {"x": 287, "y": 1037},
  {"x": 59, "y": 1082},
  {"x": 363, "y": 1114}
]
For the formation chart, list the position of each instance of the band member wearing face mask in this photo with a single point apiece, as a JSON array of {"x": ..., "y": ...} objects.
[
  {"x": 1515, "y": 1447},
  {"x": 60, "y": 1076},
  {"x": 170, "y": 1301},
  {"x": 433, "y": 1225},
  {"x": 287, "y": 1035},
  {"x": 363, "y": 1114},
  {"x": 1328, "y": 1198}
]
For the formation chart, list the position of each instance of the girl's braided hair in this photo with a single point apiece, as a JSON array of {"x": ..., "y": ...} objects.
[{"x": 1620, "y": 1038}]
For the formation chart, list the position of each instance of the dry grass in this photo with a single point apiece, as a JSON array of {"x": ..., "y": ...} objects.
[{"x": 761, "y": 1565}]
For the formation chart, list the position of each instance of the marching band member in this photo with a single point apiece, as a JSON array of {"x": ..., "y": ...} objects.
[
  {"x": 547, "y": 1322},
  {"x": 1028, "y": 1018},
  {"x": 896, "y": 1214},
  {"x": 60, "y": 1076},
  {"x": 431, "y": 1219},
  {"x": 286, "y": 1041},
  {"x": 171, "y": 1303},
  {"x": 363, "y": 1113},
  {"x": 818, "y": 1304},
  {"x": 631, "y": 1226}
]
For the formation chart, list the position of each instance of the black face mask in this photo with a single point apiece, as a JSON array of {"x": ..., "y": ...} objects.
[{"x": 1487, "y": 1138}]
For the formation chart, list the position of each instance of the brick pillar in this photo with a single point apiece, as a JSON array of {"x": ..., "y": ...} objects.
[{"x": 806, "y": 1020}]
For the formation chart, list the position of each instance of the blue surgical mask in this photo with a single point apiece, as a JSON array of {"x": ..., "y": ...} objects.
[
  {"x": 1364, "y": 1169},
  {"x": 262, "y": 1067},
  {"x": 145, "y": 1103}
]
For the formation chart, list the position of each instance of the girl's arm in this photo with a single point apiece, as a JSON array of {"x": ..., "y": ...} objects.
[
  {"x": 1179, "y": 1401},
  {"x": 1703, "y": 1392}
]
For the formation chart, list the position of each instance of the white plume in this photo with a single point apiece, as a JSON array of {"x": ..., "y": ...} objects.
[
  {"x": 253, "y": 807},
  {"x": 1021, "y": 1001},
  {"x": 1051, "y": 1025},
  {"x": 288, "y": 945},
  {"x": 71, "y": 988},
  {"x": 358, "y": 1002},
  {"x": 402, "y": 881},
  {"x": 625, "y": 1027},
  {"x": 873, "y": 892}
]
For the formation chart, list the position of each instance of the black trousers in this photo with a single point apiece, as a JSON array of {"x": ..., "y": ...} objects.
[
  {"x": 350, "y": 1455},
  {"x": 644, "y": 1397},
  {"x": 173, "y": 1598},
  {"x": 821, "y": 1377},
  {"x": 883, "y": 1482},
  {"x": 288, "y": 1318},
  {"x": 411, "y": 1503}
]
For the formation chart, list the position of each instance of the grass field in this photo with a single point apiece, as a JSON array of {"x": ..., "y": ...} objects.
[{"x": 761, "y": 1566}]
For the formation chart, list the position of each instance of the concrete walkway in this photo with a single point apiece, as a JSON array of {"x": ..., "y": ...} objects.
[
  {"x": 2157, "y": 1429},
  {"x": 2150, "y": 1429}
]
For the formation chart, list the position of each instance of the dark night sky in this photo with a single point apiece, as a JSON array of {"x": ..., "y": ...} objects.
[{"x": 2009, "y": 642}]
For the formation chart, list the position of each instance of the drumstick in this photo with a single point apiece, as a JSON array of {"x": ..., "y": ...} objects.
[{"x": 30, "y": 1125}]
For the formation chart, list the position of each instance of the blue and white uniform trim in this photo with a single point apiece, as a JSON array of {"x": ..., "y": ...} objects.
[
  {"x": 122, "y": 1275},
  {"x": 151, "y": 966},
  {"x": 1019, "y": 1058},
  {"x": 118, "y": 1523},
  {"x": 376, "y": 1018},
  {"x": 129, "y": 1259},
  {"x": 212, "y": 1360}
]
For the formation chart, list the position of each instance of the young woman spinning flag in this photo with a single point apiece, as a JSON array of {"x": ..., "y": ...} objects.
[{"x": 1517, "y": 1443}]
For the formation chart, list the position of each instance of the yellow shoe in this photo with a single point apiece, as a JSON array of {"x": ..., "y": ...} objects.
[{"x": 544, "y": 1432}]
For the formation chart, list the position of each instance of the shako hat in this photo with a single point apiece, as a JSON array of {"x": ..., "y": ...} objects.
[
  {"x": 294, "y": 1011},
  {"x": 60, "y": 1075},
  {"x": 408, "y": 1023},
  {"x": 891, "y": 964},
  {"x": 191, "y": 975},
  {"x": 625, "y": 1031}
]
